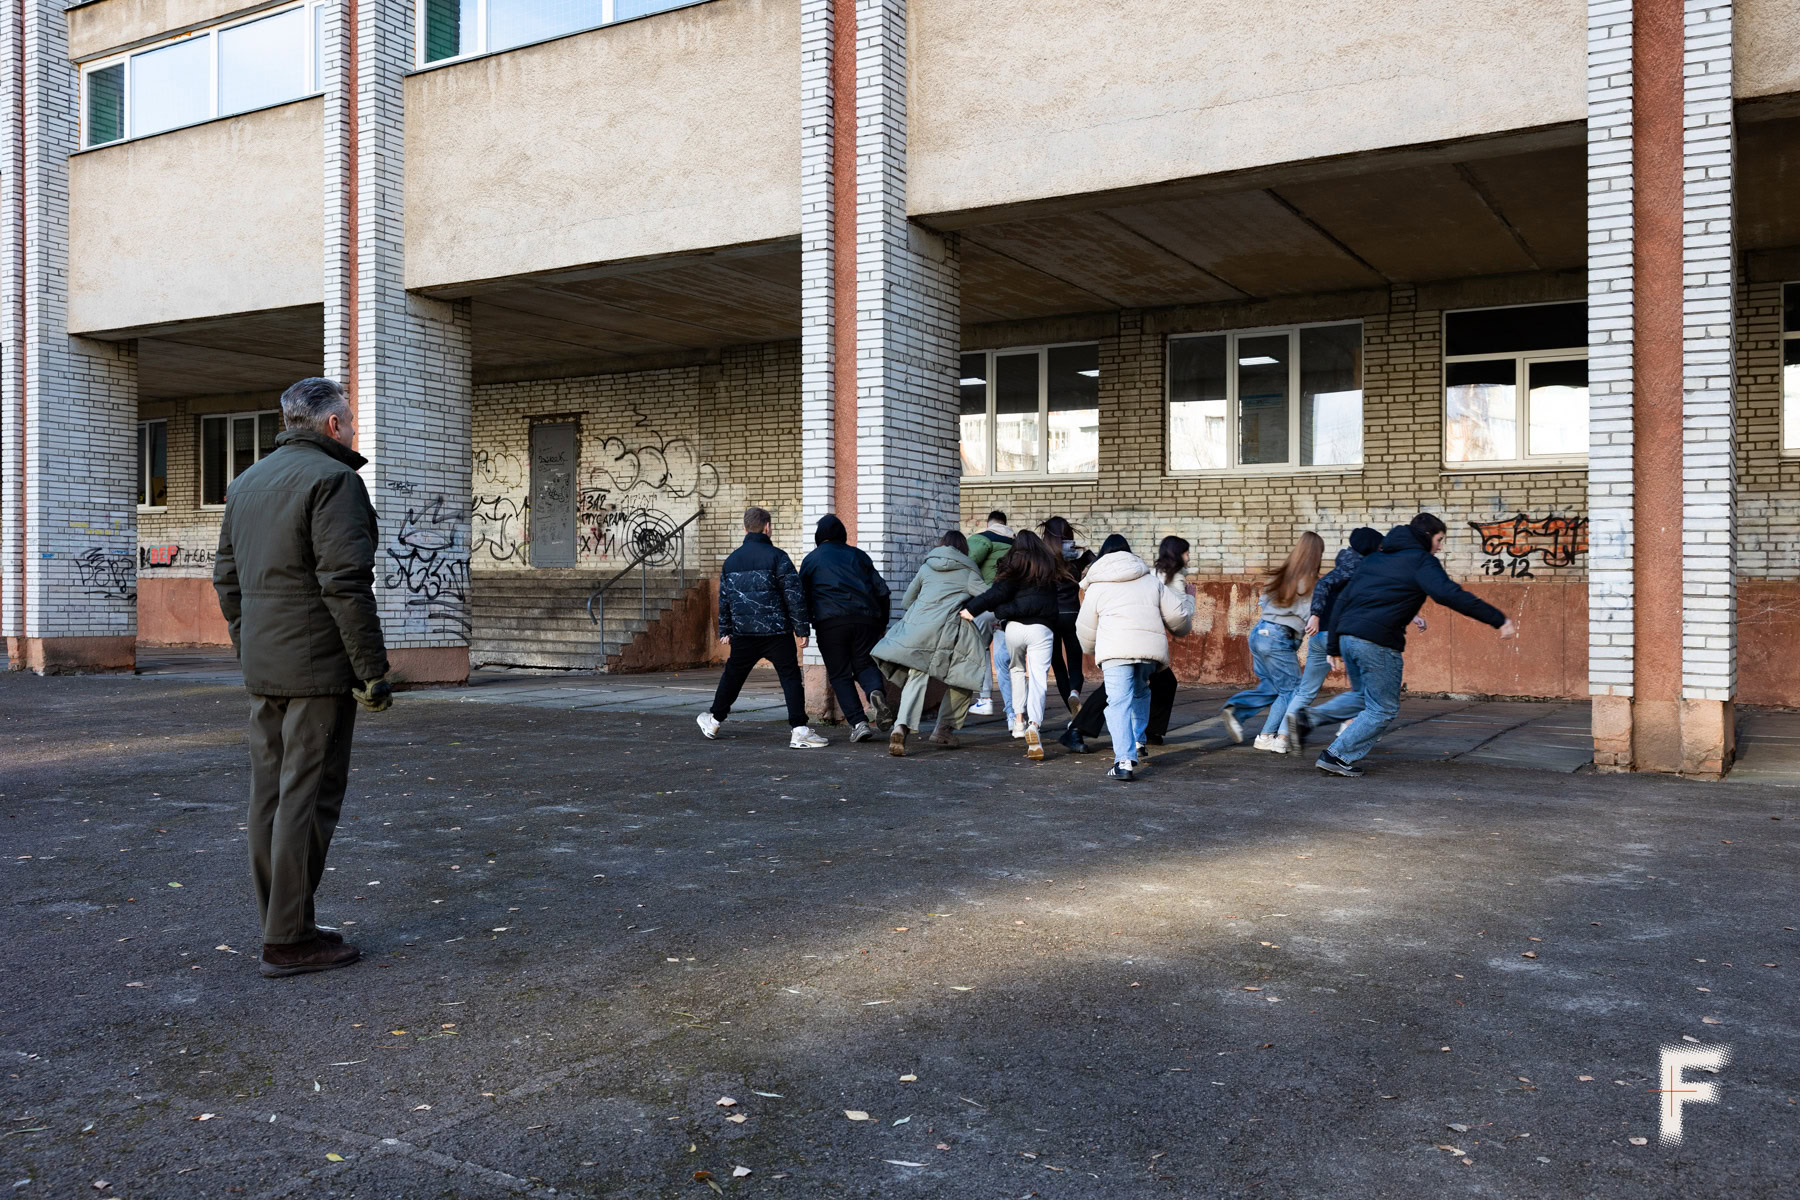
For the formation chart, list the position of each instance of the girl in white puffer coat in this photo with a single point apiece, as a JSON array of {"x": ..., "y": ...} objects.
[{"x": 1128, "y": 612}]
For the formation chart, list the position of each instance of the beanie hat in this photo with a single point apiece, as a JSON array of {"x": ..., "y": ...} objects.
[{"x": 1365, "y": 541}]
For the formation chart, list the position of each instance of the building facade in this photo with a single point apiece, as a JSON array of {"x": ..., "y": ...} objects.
[{"x": 598, "y": 274}]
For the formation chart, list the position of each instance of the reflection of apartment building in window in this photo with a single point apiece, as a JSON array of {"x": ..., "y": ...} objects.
[{"x": 728, "y": 257}]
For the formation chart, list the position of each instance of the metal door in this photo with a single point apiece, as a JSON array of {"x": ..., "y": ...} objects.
[{"x": 553, "y": 460}]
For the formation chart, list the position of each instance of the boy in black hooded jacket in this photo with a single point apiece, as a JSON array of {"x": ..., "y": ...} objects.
[{"x": 849, "y": 603}]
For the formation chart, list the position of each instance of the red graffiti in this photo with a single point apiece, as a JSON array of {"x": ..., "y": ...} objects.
[
  {"x": 1555, "y": 540},
  {"x": 160, "y": 556}
]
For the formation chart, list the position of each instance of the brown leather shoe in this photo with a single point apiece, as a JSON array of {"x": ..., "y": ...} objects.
[
  {"x": 329, "y": 935},
  {"x": 897, "y": 742},
  {"x": 946, "y": 739},
  {"x": 299, "y": 958}
]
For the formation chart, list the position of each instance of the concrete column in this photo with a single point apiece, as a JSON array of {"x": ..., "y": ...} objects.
[
  {"x": 405, "y": 359},
  {"x": 68, "y": 450},
  {"x": 1662, "y": 429},
  {"x": 908, "y": 323},
  {"x": 1709, "y": 391}
]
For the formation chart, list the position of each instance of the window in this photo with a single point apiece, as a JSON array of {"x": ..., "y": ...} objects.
[
  {"x": 1268, "y": 399},
  {"x": 1790, "y": 369},
  {"x": 1031, "y": 411},
  {"x": 229, "y": 446},
  {"x": 458, "y": 28},
  {"x": 153, "y": 464},
  {"x": 268, "y": 59},
  {"x": 1515, "y": 386}
]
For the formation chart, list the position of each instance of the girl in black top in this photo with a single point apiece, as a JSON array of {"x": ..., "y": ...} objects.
[{"x": 1023, "y": 601}]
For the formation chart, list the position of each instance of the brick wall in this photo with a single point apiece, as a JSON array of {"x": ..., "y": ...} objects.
[{"x": 655, "y": 446}]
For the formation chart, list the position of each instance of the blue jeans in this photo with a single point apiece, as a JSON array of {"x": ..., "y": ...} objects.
[
  {"x": 1374, "y": 674},
  {"x": 1003, "y": 671},
  {"x": 1340, "y": 707},
  {"x": 1127, "y": 706},
  {"x": 1273, "y": 653}
]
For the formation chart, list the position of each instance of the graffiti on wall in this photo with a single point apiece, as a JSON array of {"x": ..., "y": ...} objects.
[
  {"x": 498, "y": 527},
  {"x": 657, "y": 462},
  {"x": 105, "y": 573},
  {"x": 625, "y": 531},
  {"x": 498, "y": 469},
  {"x": 427, "y": 565},
  {"x": 155, "y": 557},
  {"x": 1511, "y": 542}
]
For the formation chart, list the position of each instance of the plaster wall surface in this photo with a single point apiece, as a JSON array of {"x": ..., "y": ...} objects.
[
  {"x": 1766, "y": 47},
  {"x": 674, "y": 133},
  {"x": 1014, "y": 102},
  {"x": 225, "y": 217},
  {"x": 98, "y": 28}
]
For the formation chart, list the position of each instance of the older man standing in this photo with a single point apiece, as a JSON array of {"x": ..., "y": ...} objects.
[{"x": 295, "y": 577}]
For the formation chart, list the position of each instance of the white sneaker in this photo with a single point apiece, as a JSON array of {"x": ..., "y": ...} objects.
[
  {"x": 803, "y": 738},
  {"x": 1279, "y": 743},
  {"x": 862, "y": 732},
  {"x": 1264, "y": 741},
  {"x": 1234, "y": 729},
  {"x": 709, "y": 724},
  {"x": 1018, "y": 727},
  {"x": 983, "y": 707}
]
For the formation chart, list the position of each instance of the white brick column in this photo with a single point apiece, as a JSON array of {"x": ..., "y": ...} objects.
[
  {"x": 68, "y": 470},
  {"x": 1609, "y": 278},
  {"x": 908, "y": 322},
  {"x": 1709, "y": 419},
  {"x": 406, "y": 358},
  {"x": 818, "y": 262}
]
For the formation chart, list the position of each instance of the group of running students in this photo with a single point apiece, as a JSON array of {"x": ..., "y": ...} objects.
[{"x": 1007, "y": 611}]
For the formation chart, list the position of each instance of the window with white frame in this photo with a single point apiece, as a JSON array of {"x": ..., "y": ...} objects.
[
  {"x": 1031, "y": 410},
  {"x": 1790, "y": 369},
  {"x": 450, "y": 29},
  {"x": 267, "y": 59},
  {"x": 1515, "y": 386},
  {"x": 153, "y": 464},
  {"x": 1267, "y": 399},
  {"x": 229, "y": 446}
]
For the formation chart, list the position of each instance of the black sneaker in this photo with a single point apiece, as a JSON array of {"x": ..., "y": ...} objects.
[
  {"x": 1071, "y": 738},
  {"x": 1120, "y": 772},
  {"x": 1296, "y": 724},
  {"x": 884, "y": 710},
  {"x": 1331, "y": 764}
]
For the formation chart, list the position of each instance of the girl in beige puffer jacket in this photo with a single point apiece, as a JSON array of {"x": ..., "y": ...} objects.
[{"x": 1128, "y": 612}]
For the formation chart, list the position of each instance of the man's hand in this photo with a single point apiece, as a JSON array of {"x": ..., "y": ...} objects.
[
  {"x": 1312, "y": 624},
  {"x": 965, "y": 614},
  {"x": 725, "y": 640},
  {"x": 376, "y": 695},
  {"x": 1509, "y": 630},
  {"x": 1337, "y": 664},
  {"x": 1420, "y": 622},
  {"x": 801, "y": 642}
]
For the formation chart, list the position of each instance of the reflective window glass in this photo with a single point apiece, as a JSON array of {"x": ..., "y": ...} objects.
[
  {"x": 623, "y": 9},
  {"x": 1074, "y": 404},
  {"x": 172, "y": 86},
  {"x": 1197, "y": 399},
  {"x": 318, "y": 48},
  {"x": 1790, "y": 393},
  {"x": 1558, "y": 407},
  {"x": 516, "y": 22},
  {"x": 973, "y": 389},
  {"x": 1016, "y": 432},
  {"x": 106, "y": 105},
  {"x": 1516, "y": 330},
  {"x": 1481, "y": 414},
  {"x": 153, "y": 463},
  {"x": 262, "y": 62},
  {"x": 213, "y": 472},
  {"x": 450, "y": 28},
  {"x": 1331, "y": 395},
  {"x": 1262, "y": 367}
]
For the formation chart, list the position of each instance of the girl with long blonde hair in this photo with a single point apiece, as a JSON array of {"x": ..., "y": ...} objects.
[{"x": 1275, "y": 644}]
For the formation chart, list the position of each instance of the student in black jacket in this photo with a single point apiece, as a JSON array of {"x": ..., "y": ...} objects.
[
  {"x": 762, "y": 609},
  {"x": 1368, "y": 630},
  {"x": 1065, "y": 654},
  {"x": 848, "y": 602},
  {"x": 1023, "y": 601}
]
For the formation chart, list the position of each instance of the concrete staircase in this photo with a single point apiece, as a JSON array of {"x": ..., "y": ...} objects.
[{"x": 539, "y": 618}]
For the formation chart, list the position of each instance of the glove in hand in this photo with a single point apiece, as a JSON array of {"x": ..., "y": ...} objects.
[{"x": 376, "y": 695}]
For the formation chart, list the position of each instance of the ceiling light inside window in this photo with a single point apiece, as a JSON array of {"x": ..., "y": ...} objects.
[
  {"x": 972, "y": 381},
  {"x": 1258, "y": 360},
  {"x": 1093, "y": 374}
]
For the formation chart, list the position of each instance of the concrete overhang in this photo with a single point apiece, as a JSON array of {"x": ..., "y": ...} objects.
[{"x": 256, "y": 352}]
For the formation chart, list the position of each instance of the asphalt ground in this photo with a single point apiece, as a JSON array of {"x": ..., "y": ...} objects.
[{"x": 583, "y": 931}]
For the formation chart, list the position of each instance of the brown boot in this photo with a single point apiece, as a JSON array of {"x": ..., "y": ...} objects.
[
  {"x": 946, "y": 739},
  {"x": 897, "y": 742},
  {"x": 298, "y": 958}
]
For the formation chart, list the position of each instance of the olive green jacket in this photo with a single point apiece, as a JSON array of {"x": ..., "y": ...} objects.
[{"x": 296, "y": 570}]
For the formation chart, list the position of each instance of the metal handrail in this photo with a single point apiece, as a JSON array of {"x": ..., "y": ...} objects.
[{"x": 641, "y": 565}]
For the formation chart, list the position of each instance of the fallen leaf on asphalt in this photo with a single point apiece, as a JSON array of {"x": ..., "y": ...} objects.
[
  {"x": 739, "y": 1172},
  {"x": 909, "y": 1079},
  {"x": 737, "y": 1118},
  {"x": 498, "y": 929},
  {"x": 1458, "y": 1128},
  {"x": 725, "y": 1102},
  {"x": 1451, "y": 1150},
  {"x": 856, "y": 1114},
  {"x": 174, "y": 885},
  {"x": 1585, "y": 1078},
  {"x": 100, "y": 1185},
  {"x": 397, "y": 1032},
  {"x": 226, "y": 949},
  {"x": 134, "y": 985},
  {"x": 422, "y": 1108},
  {"x": 902, "y": 1120},
  {"x": 334, "y": 1158},
  {"x": 1711, "y": 1021},
  {"x": 901, "y": 1162},
  {"x": 1639, "y": 1141},
  {"x": 942, "y": 1146},
  {"x": 770, "y": 1095},
  {"x": 206, "y": 1116},
  {"x": 870, "y": 1003},
  {"x": 1529, "y": 954},
  {"x": 1252, "y": 989},
  {"x": 955, "y": 988}
]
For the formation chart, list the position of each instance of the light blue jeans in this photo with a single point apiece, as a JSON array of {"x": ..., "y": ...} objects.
[
  {"x": 1375, "y": 673},
  {"x": 1003, "y": 672},
  {"x": 1127, "y": 706},
  {"x": 1273, "y": 652},
  {"x": 1340, "y": 707}
]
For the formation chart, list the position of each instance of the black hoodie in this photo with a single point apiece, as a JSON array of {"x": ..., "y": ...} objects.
[
  {"x": 1391, "y": 586},
  {"x": 841, "y": 582}
]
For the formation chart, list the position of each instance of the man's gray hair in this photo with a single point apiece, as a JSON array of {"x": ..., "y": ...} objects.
[{"x": 309, "y": 403}]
